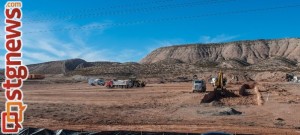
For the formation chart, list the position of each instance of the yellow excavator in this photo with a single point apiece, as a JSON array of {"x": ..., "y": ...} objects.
[
  {"x": 219, "y": 89},
  {"x": 220, "y": 82}
]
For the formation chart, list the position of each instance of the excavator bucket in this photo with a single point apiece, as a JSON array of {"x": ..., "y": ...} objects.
[
  {"x": 216, "y": 95},
  {"x": 219, "y": 91}
]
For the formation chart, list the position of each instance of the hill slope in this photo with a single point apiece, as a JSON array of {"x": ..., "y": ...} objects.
[
  {"x": 247, "y": 51},
  {"x": 55, "y": 67}
]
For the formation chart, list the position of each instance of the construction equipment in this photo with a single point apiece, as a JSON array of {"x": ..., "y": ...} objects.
[
  {"x": 289, "y": 77},
  {"x": 213, "y": 81},
  {"x": 220, "y": 82},
  {"x": 219, "y": 90},
  {"x": 131, "y": 83},
  {"x": 118, "y": 83},
  {"x": 296, "y": 79},
  {"x": 137, "y": 83}
]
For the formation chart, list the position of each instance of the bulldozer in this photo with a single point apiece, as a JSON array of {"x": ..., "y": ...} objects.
[{"x": 219, "y": 89}]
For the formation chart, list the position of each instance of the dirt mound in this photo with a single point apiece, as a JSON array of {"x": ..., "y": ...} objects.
[
  {"x": 270, "y": 76},
  {"x": 218, "y": 95},
  {"x": 247, "y": 94},
  {"x": 227, "y": 111},
  {"x": 249, "y": 51},
  {"x": 243, "y": 91}
]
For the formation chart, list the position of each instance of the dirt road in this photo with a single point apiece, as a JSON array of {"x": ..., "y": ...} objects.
[{"x": 157, "y": 107}]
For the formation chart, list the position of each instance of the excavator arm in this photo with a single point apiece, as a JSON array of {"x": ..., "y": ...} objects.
[{"x": 219, "y": 81}]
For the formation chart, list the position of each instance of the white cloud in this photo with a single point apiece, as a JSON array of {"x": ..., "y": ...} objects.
[
  {"x": 38, "y": 56},
  {"x": 217, "y": 39},
  {"x": 50, "y": 46},
  {"x": 95, "y": 55}
]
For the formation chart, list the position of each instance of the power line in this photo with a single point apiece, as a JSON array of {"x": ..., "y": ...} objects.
[
  {"x": 166, "y": 19},
  {"x": 59, "y": 13},
  {"x": 135, "y": 10}
]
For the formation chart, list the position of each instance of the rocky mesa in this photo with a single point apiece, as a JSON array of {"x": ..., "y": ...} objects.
[
  {"x": 238, "y": 58},
  {"x": 251, "y": 52}
]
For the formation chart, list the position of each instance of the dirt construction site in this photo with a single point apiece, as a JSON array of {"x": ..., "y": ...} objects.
[{"x": 267, "y": 108}]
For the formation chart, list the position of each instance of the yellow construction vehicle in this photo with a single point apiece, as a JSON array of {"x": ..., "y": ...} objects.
[
  {"x": 220, "y": 82},
  {"x": 219, "y": 89}
]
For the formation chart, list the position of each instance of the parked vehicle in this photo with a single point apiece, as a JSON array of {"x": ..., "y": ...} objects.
[
  {"x": 125, "y": 84},
  {"x": 36, "y": 76},
  {"x": 199, "y": 86},
  {"x": 95, "y": 82}
]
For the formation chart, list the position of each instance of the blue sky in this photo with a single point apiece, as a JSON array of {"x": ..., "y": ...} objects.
[{"x": 118, "y": 36}]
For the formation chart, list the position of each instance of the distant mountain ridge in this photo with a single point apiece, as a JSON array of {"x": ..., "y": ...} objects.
[
  {"x": 248, "y": 51},
  {"x": 257, "y": 54}
]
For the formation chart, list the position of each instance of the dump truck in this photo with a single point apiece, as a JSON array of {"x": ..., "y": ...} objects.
[
  {"x": 118, "y": 84},
  {"x": 136, "y": 83},
  {"x": 132, "y": 83}
]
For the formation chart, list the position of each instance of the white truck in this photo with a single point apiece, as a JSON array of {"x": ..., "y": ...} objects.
[
  {"x": 199, "y": 86},
  {"x": 119, "y": 84}
]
